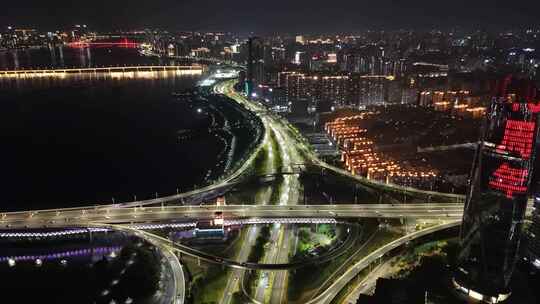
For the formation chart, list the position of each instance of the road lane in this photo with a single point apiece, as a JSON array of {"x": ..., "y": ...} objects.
[
  {"x": 193, "y": 213},
  {"x": 329, "y": 294}
]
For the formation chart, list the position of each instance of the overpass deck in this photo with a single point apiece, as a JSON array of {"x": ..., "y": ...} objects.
[{"x": 112, "y": 215}]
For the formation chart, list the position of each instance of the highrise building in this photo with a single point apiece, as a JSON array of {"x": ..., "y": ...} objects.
[
  {"x": 497, "y": 196},
  {"x": 255, "y": 66},
  {"x": 299, "y": 58},
  {"x": 338, "y": 89},
  {"x": 367, "y": 91},
  {"x": 316, "y": 87},
  {"x": 371, "y": 60},
  {"x": 279, "y": 97}
]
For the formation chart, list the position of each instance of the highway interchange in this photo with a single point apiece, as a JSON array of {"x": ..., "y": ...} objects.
[
  {"x": 288, "y": 195},
  {"x": 20, "y": 220},
  {"x": 272, "y": 286}
]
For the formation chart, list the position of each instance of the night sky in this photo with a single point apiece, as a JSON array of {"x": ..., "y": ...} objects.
[{"x": 273, "y": 16}]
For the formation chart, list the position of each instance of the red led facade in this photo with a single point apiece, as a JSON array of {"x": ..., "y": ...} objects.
[
  {"x": 533, "y": 108},
  {"x": 509, "y": 180},
  {"x": 496, "y": 203},
  {"x": 517, "y": 141},
  {"x": 518, "y": 138}
]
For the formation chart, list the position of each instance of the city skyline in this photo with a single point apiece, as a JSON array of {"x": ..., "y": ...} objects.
[{"x": 168, "y": 152}]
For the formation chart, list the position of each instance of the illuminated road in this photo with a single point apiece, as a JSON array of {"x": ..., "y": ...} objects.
[
  {"x": 289, "y": 193},
  {"x": 223, "y": 184},
  {"x": 176, "y": 292},
  {"x": 368, "y": 284},
  {"x": 262, "y": 197},
  {"x": 454, "y": 197},
  {"x": 329, "y": 294},
  {"x": 279, "y": 127},
  {"x": 207, "y": 257},
  {"x": 291, "y": 151},
  {"x": 287, "y": 233},
  {"x": 249, "y": 213},
  {"x": 345, "y": 264},
  {"x": 210, "y": 191},
  {"x": 237, "y": 274},
  {"x": 292, "y": 139},
  {"x": 300, "y": 145}
]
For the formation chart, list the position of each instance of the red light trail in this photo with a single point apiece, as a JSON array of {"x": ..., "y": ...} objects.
[{"x": 125, "y": 43}]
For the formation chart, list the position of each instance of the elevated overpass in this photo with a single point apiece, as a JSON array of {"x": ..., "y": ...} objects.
[
  {"x": 116, "y": 215},
  {"x": 328, "y": 295},
  {"x": 137, "y": 214},
  {"x": 211, "y": 258},
  {"x": 227, "y": 88}
]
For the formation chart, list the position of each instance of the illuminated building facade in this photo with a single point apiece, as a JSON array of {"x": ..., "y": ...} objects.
[
  {"x": 255, "y": 66},
  {"x": 360, "y": 157},
  {"x": 459, "y": 102},
  {"x": 372, "y": 60},
  {"x": 497, "y": 196},
  {"x": 342, "y": 90},
  {"x": 316, "y": 87},
  {"x": 368, "y": 91}
]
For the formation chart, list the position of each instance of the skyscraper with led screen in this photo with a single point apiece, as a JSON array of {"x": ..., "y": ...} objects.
[{"x": 498, "y": 192}]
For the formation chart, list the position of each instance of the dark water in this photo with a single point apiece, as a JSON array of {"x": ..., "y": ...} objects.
[
  {"x": 79, "y": 268},
  {"x": 86, "y": 139},
  {"x": 65, "y": 57}
]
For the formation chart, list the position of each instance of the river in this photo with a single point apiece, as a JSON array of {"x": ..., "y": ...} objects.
[{"x": 112, "y": 137}]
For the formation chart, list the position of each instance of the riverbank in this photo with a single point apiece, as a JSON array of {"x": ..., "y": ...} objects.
[{"x": 124, "y": 139}]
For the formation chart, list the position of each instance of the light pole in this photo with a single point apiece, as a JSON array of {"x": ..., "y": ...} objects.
[
  {"x": 355, "y": 193},
  {"x": 404, "y": 197}
]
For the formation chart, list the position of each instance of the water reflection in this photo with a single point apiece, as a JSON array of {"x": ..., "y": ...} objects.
[
  {"x": 117, "y": 130},
  {"x": 94, "y": 252},
  {"x": 61, "y": 56},
  {"x": 58, "y": 56},
  {"x": 80, "y": 245},
  {"x": 54, "y": 78},
  {"x": 96, "y": 267}
]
